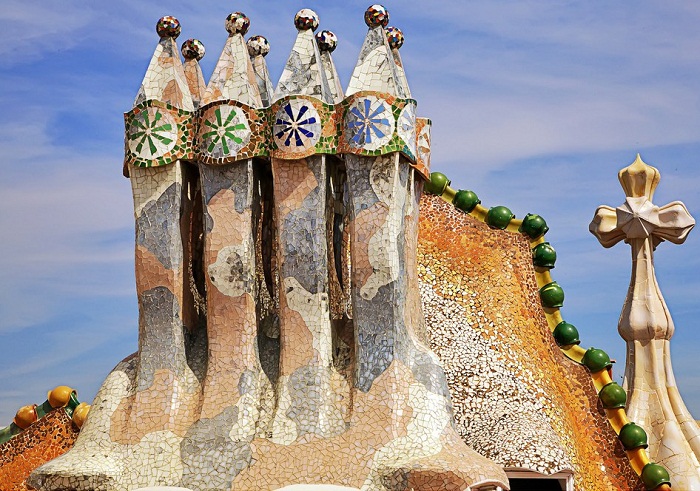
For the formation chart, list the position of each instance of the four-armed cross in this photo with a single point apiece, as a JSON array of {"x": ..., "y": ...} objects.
[
  {"x": 643, "y": 225},
  {"x": 645, "y": 322}
]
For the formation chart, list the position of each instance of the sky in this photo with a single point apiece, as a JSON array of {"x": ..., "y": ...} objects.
[{"x": 535, "y": 105}]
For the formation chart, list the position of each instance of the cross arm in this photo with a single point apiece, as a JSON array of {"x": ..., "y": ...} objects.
[
  {"x": 675, "y": 222},
  {"x": 604, "y": 226}
]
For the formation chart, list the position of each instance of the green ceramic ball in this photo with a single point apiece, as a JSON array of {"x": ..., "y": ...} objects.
[
  {"x": 534, "y": 226},
  {"x": 552, "y": 295},
  {"x": 654, "y": 475},
  {"x": 596, "y": 360},
  {"x": 544, "y": 255},
  {"x": 465, "y": 200},
  {"x": 566, "y": 334},
  {"x": 633, "y": 436},
  {"x": 437, "y": 184},
  {"x": 499, "y": 217},
  {"x": 613, "y": 396}
]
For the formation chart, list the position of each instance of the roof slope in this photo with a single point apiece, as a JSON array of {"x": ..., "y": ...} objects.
[
  {"x": 46, "y": 439},
  {"x": 518, "y": 400}
]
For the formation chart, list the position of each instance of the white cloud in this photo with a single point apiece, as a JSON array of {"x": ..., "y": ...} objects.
[
  {"x": 513, "y": 80},
  {"x": 32, "y": 30}
]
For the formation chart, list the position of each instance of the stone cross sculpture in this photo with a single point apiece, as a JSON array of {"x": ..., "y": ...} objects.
[{"x": 645, "y": 322}]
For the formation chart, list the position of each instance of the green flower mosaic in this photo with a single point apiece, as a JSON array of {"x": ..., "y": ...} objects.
[
  {"x": 151, "y": 133},
  {"x": 224, "y": 132}
]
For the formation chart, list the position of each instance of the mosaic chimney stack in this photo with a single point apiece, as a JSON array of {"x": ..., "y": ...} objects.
[
  {"x": 382, "y": 198},
  {"x": 307, "y": 401},
  {"x": 161, "y": 199},
  {"x": 193, "y": 51},
  {"x": 150, "y": 399},
  {"x": 258, "y": 48},
  {"x": 159, "y": 128},
  {"x": 234, "y": 379},
  {"x": 646, "y": 324},
  {"x": 396, "y": 374},
  {"x": 235, "y": 386},
  {"x": 290, "y": 214},
  {"x": 327, "y": 42}
]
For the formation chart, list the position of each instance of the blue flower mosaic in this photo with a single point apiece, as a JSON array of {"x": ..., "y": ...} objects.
[
  {"x": 297, "y": 125},
  {"x": 152, "y": 133},
  {"x": 407, "y": 127},
  {"x": 369, "y": 123}
]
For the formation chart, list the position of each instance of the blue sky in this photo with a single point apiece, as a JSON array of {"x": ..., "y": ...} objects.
[{"x": 535, "y": 105}]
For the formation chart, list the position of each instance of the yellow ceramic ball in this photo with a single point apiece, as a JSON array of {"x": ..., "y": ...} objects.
[
  {"x": 80, "y": 414},
  {"x": 25, "y": 416},
  {"x": 59, "y": 396}
]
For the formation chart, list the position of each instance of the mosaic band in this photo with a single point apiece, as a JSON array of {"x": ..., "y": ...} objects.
[{"x": 366, "y": 123}]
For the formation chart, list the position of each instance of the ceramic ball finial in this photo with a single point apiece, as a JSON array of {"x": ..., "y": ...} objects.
[
  {"x": 258, "y": 45},
  {"x": 327, "y": 41},
  {"x": 237, "y": 23},
  {"x": 168, "y": 27},
  {"x": 306, "y": 19},
  {"x": 193, "y": 49},
  {"x": 395, "y": 37},
  {"x": 376, "y": 15}
]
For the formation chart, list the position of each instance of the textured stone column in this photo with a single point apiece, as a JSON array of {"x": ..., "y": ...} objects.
[
  {"x": 163, "y": 372},
  {"x": 147, "y": 403},
  {"x": 378, "y": 192},
  {"x": 387, "y": 315},
  {"x": 234, "y": 371},
  {"x": 234, "y": 384},
  {"x": 400, "y": 385},
  {"x": 234, "y": 379},
  {"x": 646, "y": 324},
  {"x": 306, "y": 403},
  {"x": 232, "y": 410},
  {"x": 165, "y": 391}
]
